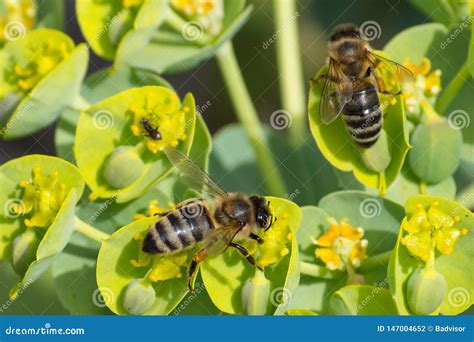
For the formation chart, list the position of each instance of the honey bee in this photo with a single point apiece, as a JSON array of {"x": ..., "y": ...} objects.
[
  {"x": 355, "y": 77},
  {"x": 214, "y": 225},
  {"x": 152, "y": 131}
]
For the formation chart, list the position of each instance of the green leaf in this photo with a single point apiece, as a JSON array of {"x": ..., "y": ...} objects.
[
  {"x": 338, "y": 147},
  {"x": 362, "y": 300},
  {"x": 224, "y": 275},
  {"x": 436, "y": 151},
  {"x": 456, "y": 267},
  {"x": 312, "y": 294},
  {"x": 234, "y": 166},
  {"x": 439, "y": 10},
  {"x": 407, "y": 185},
  {"x": 57, "y": 235},
  {"x": 115, "y": 254},
  {"x": 107, "y": 124},
  {"x": 38, "y": 298},
  {"x": 58, "y": 89},
  {"x": 75, "y": 279}
]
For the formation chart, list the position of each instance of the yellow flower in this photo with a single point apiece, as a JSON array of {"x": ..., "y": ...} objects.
[
  {"x": 42, "y": 199},
  {"x": 154, "y": 209},
  {"x": 427, "y": 230},
  {"x": 171, "y": 126},
  {"x": 18, "y": 17},
  {"x": 194, "y": 7},
  {"x": 341, "y": 246},
  {"x": 276, "y": 240},
  {"x": 427, "y": 85},
  {"x": 41, "y": 59}
]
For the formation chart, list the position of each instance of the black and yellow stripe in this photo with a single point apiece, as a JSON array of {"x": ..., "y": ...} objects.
[{"x": 179, "y": 230}]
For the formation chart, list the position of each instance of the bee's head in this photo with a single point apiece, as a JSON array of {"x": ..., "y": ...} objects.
[{"x": 263, "y": 216}]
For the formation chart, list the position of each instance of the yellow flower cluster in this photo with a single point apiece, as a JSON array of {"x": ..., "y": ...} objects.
[
  {"x": 427, "y": 230},
  {"x": 42, "y": 198},
  {"x": 18, "y": 17},
  {"x": 341, "y": 246},
  {"x": 40, "y": 61},
  {"x": 194, "y": 7},
  {"x": 427, "y": 85},
  {"x": 170, "y": 126},
  {"x": 276, "y": 241}
]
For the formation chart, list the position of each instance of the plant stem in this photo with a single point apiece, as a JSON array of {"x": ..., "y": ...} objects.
[
  {"x": 317, "y": 271},
  {"x": 247, "y": 115},
  {"x": 423, "y": 188},
  {"x": 375, "y": 261},
  {"x": 292, "y": 87},
  {"x": 89, "y": 231},
  {"x": 178, "y": 24},
  {"x": 453, "y": 88}
]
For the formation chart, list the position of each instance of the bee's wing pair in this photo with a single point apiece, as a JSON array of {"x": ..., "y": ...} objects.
[
  {"x": 217, "y": 240},
  {"x": 337, "y": 92}
]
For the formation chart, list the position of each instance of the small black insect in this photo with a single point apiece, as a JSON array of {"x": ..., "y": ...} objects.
[{"x": 152, "y": 132}]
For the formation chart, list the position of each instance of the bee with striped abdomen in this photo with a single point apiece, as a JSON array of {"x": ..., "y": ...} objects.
[
  {"x": 214, "y": 225},
  {"x": 354, "y": 79}
]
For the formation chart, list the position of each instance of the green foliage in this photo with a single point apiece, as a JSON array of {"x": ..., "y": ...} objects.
[
  {"x": 456, "y": 267},
  {"x": 389, "y": 235}
]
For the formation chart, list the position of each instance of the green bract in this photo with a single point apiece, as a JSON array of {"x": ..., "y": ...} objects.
[
  {"x": 379, "y": 218},
  {"x": 97, "y": 87},
  {"x": 362, "y": 300},
  {"x": 169, "y": 38},
  {"x": 374, "y": 169},
  {"x": 38, "y": 195},
  {"x": 116, "y": 122},
  {"x": 436, "y": 151},
  {"x": 35, "y": 87},
  {"x": 456, "y": 266},
  {"x": 225, "y": 275}
]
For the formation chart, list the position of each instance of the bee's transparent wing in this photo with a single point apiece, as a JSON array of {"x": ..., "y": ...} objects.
[
  {"x": 388, "y": 72},
  {"x": 333, "y": 96},
  {"x": 218, "y": 240},
  {"x": 192, "y": 175}
]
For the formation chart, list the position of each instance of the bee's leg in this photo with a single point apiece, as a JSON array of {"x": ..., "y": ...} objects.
[
  {"x": 246, "y": 254},
  {"x": 256, "y": 238},
  {"x": 197, "y": 258}
]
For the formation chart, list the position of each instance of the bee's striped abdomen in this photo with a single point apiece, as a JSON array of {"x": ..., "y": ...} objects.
[
  {"x": 363, "y": 116},
  {"x": 181, "y": 229}
]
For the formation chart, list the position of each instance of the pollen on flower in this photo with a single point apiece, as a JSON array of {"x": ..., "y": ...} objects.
[
  {"x": 276, "y": 239},
  {"x": 42, "y": 197},
  {"x": 427, "y": 85},
  {"x": 157, "y": 125},
  {"x": 131, "y": 3},
  {"x": 41, "y": 59},
  {"x": 430, "y": 229},
  {"x": 341, "y": 246},
  {"x": 194, "y": 7}
]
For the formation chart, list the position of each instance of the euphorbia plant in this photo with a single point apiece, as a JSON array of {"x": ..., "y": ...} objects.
[{"x": 389, "y": 237}]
